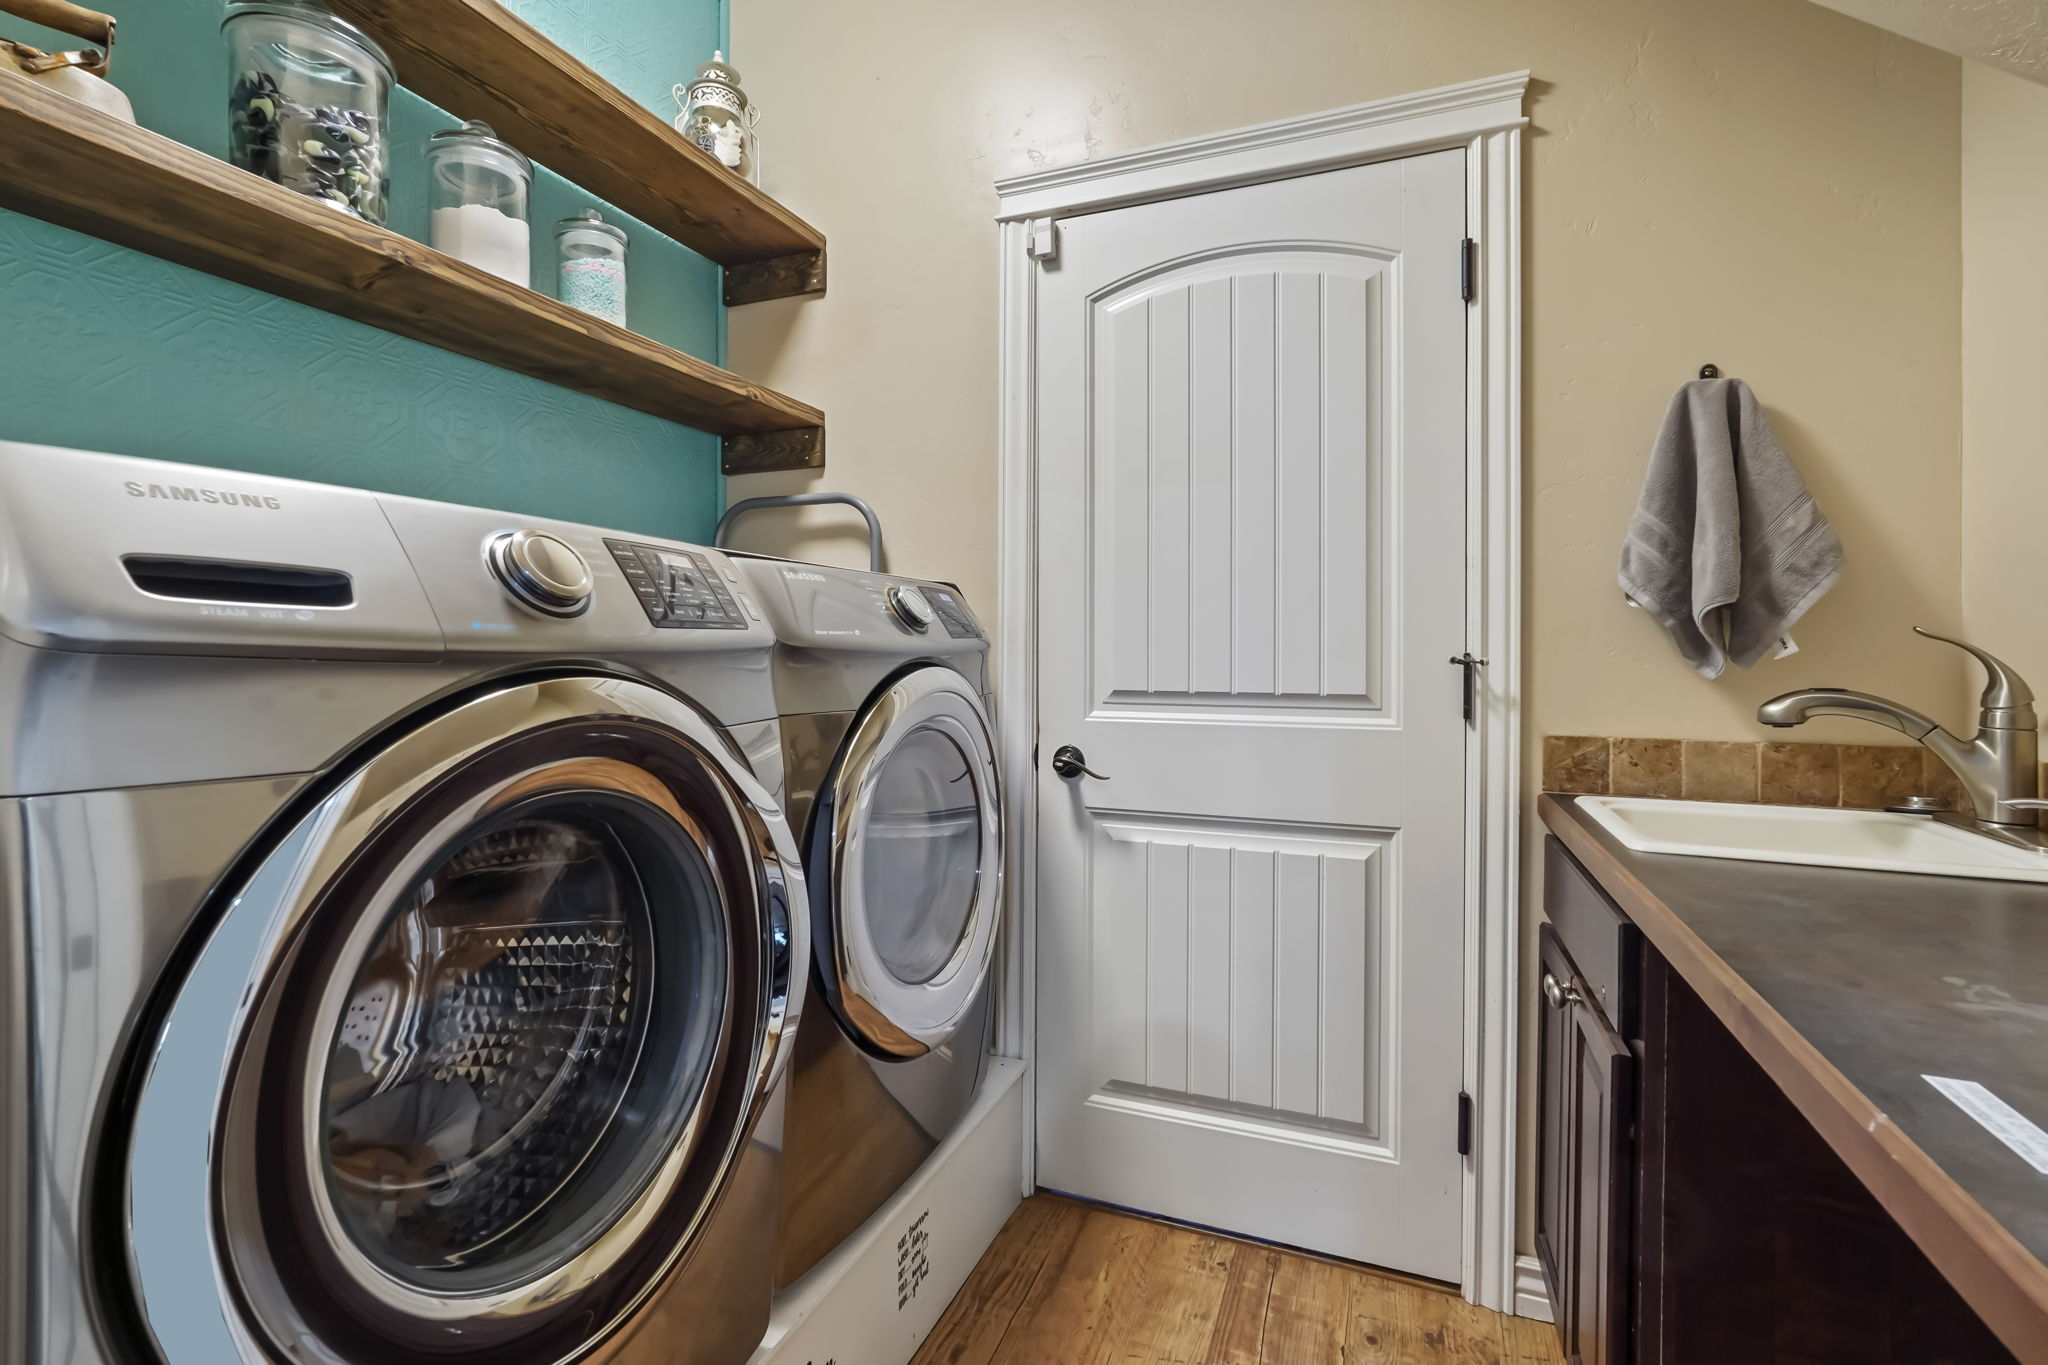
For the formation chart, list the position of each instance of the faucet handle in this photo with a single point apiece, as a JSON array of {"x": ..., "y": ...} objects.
[{"x": 2004, "y": 689}]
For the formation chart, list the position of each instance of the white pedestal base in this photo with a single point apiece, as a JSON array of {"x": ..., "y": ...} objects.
[{"x": 875, "y": 1299}]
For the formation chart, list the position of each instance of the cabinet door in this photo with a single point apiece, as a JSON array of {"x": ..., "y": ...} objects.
[
  {"x": 1602, "y": 1103},
  {"x": 1556, "y": 1113}
]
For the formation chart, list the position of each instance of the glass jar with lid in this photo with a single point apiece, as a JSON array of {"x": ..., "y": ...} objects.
[
  {"x": 310, "y": 104},
  {"x": 717, "y": 117},
  {"x": 592, "y": 253},
  {"x": 478, "y": 190}
]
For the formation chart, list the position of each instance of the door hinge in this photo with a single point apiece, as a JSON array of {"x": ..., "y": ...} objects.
[
  {"x": 1468, "y": 270},
  {"x": 1464, "y": 1124},
  {"x": 1042, "y": 239},
  {"x": 1471, "y": 667}
]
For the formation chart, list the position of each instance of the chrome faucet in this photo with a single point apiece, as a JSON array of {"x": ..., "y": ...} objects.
[{"x": 1999, "y": 768}]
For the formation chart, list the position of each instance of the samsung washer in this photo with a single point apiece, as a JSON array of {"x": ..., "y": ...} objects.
[
  {"x": 890, "y": 765},
  {"x": 400, "y": 951}
]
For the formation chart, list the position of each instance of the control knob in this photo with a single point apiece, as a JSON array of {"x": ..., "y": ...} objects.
[
  {"x": 911, "y": 607},
  {"x": 541, "y": 571}
]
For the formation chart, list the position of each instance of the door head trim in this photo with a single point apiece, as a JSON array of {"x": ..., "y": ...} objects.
[{"x": 1402, "y": 125}]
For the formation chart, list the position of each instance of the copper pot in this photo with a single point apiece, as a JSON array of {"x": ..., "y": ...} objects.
[{"x": 81, "y": 75}]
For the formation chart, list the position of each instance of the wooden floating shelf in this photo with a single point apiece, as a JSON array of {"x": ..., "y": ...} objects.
[
  {"x": 64, "y": 162},
  {"x": 477, "y": 60}
]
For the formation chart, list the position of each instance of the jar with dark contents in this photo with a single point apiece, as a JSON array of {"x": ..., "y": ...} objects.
[{"x": 309, "y": 107}]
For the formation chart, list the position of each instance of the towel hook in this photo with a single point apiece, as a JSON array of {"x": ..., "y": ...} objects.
[{"x": 1710, "y": 371}]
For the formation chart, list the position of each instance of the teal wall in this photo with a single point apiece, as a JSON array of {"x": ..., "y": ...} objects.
[{"x": 103, "y": 348}]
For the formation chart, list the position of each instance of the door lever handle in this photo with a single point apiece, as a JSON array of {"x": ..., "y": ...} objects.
[{"x": 1070, "y": 763}]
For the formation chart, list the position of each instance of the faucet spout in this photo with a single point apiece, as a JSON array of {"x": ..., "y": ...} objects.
[
  {"x": 1796, "y": 708},
  {"x": 1997, "y": 769}
]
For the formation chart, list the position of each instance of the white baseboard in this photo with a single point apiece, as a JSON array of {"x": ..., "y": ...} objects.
[
  {"x": 875, "y": 1299},
  {"x": 1532, "y": 1299}
]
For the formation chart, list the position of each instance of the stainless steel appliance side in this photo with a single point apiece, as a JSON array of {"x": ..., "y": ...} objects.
[
  {"x": 17, "y": 1196},
  {"x": 114, "y": 881},
  {"x": 810, "y": 745},
  {"x": 79, "y": 721}
]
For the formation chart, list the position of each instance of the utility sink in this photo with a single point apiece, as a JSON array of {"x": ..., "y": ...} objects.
[{"x": 1874, "y": 840}]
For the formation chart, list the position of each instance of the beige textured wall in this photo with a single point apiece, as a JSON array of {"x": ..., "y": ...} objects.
[
  {"x": 1765, "y": 184},
  {"x": 2005, "y": 369}
]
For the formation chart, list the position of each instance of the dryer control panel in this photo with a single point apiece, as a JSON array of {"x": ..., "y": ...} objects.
[
  {"x": 953, "y": 614},
  {"x": 678, "y": 589}
]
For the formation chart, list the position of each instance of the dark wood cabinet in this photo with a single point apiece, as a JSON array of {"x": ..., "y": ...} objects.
[
  {"x": 1686, "y": 1213},
  {"x": 1554, "y": 1114},
  {"x": 1584, "y": 1166},
  {"x": 1601, "y": 1130}
]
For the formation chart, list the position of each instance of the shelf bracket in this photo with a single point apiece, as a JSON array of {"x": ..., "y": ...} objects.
[
  {"x": 780, "y": 277},
  {"x": 768, "y": 452}
]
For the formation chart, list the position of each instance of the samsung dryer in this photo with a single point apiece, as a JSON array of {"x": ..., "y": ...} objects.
[
  {"x": 400, "y": 953},
  {"x": 890, "y": 764}
]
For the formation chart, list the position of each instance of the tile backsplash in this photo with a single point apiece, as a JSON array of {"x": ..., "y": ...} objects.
[{"x": 1864, "y": 776}]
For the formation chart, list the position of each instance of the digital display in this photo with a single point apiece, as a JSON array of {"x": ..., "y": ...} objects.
[
  {"x": 678, "y": 590},
  {"x": 679, "y": 567}
]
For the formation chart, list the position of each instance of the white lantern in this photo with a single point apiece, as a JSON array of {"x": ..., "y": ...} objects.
[{"x": 717, "y": 117}]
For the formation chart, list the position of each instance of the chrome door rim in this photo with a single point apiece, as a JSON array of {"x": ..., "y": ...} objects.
[
  {"x": 321, "y": 844},
  {"x": 905, "y": 1019}
]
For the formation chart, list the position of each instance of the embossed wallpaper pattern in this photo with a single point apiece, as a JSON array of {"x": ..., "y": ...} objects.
[
  {"x": 104, "y": 348},
  {"x": 645, "y": 47}
]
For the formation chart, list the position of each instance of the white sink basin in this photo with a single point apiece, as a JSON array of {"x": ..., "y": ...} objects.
[{"x": 1874, "y": 840}]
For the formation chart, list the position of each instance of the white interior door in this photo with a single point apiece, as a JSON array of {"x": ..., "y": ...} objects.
[{"x": 1252, "y": 528}]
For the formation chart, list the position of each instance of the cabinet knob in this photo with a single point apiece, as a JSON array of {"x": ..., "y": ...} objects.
[{"x": 1558, "y": 994}]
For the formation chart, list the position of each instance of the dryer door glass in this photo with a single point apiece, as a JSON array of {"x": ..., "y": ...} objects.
[
  {"x": 910, "y": 823},
  {"x": 923, "y": 863}
]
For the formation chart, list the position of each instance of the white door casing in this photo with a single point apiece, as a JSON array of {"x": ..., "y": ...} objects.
[
  {"x": 1252, "y": 577},
  {"x": 1484, "y": 118}
]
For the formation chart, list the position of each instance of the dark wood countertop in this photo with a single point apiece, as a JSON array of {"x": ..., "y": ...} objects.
[{"x": 1849, "y": 988}]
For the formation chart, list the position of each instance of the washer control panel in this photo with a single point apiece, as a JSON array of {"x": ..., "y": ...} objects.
[{"x": 678, "y": 589}]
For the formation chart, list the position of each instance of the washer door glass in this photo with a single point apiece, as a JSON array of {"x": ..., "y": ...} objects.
[
  {"x": 479, "y": 1078},
  {"x": 500, "y": 1011},
  {"x": 923, "y": 863}
]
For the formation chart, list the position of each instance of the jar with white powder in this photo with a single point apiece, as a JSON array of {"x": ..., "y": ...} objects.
[
  {"x": 479, "y": 190},
  {"x": 593, "y": 269}
]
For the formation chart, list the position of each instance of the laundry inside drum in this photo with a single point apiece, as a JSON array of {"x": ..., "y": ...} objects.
[{"x": 486, "y": 1060}]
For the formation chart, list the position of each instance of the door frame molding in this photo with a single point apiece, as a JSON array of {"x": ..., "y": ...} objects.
[{"x": 1485, "y": 117}]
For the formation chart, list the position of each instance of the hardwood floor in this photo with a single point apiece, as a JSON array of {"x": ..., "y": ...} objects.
[{"x": 1073, "y": 1284}]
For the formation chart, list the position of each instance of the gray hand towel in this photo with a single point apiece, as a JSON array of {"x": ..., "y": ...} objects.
[{"x": 1726, "y": 548}]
